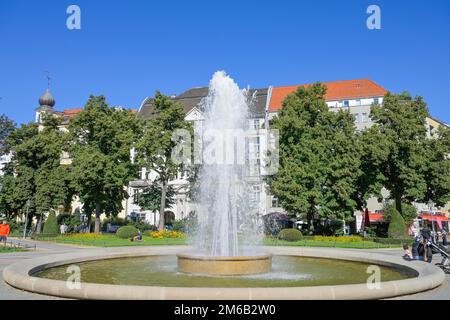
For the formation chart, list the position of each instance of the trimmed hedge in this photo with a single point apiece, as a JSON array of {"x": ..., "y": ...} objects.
[
  {"x": 127, "y": 232},
  {"x": 397, "y": 226},
  {"x": 392, "y": 240},
  {"x": 51, "y": 226},
  {"x": 290, "y": 235},
  {"x": 338, "y": 239}
]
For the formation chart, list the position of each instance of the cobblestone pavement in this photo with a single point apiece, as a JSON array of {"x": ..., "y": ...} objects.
[{"x": 44, "y": 248}]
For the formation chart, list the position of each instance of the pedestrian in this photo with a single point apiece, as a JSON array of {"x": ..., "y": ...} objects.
[
  {"x": 4, "y": 231},
  {"x": 415, "y": 248},
  {"x": 407, "y": 253}
]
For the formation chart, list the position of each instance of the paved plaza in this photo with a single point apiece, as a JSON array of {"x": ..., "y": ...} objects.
[{"x": 44, "y": 248}]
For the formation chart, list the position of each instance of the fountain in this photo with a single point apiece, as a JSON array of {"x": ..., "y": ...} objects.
[
  {"x": 226, "y": 260},
  {"x": 224, "y": 206}
]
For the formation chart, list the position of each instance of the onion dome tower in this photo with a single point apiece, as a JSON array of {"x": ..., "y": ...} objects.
[{"x": 46, "y": 104}]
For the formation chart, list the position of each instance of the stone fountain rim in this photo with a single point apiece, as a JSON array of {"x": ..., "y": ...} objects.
[
  {"x": 224, "y": 258},
  {"x": 20, "y": 275}
]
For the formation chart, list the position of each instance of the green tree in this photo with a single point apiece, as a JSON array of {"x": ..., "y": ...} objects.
[
  {"x": 150, "y": 198},
  {"x": 402, "y": 160},
  {"x": 6, "y": 127},
  {"x": 319, "y": 157},
  {"x": 101, "y": 139},
  {"x": 36, "y": 169},
  {"x": 437, "y": 173},
  {"x": 156, "y": 146}
]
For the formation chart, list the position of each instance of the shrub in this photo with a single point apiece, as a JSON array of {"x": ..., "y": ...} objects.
[
  {"x": 115, "y": 221},
  {"x": 392, "y": 241},
  {"x": 344, "y": 239},
  {"x": 51, "y": 227},
  {"x": 179, "y": 225},
  {"x": 70, "y": 220},
  {"x": 397, "y": 226},
  {"x": 127, "y": 232},
  {"x": 141, "y": 225},
  {"x": 290, "y": 235},
  {"x": 409, "y": 212}
]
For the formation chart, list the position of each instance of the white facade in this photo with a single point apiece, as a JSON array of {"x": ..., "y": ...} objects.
[{"x": 4, "y": 159}]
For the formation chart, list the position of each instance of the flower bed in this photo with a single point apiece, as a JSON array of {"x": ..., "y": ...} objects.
[{"x": 166, "y": 234}]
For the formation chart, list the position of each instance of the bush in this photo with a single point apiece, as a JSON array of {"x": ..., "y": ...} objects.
[
  {"x": 392, "y": 241},
  {"x": 51, "y": 227},
  {"x": 344, "y": 239},
  {"x": 397, "y": 226},
  {"x": 127, "y": 232},
  {"x": 114, "y": 221},
  {"x": 290, "y": 235},
  {"x": 142, "y": 225},
  {"x": 70, "y": 220},
  {"x": 179, "y": 225},
  {"x": 409, "y": 212}
]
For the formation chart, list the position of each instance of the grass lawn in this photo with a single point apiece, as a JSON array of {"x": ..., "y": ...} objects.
[
  {"x": 10, "y": 250},
  {"x": 113, "y": 241}
]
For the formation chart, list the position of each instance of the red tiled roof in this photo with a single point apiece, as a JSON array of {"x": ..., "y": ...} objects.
[
  {"x": 337, "y": 90},
  {"x": 72, "y": 112}
]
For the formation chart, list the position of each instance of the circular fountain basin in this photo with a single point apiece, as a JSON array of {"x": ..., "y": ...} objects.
[
  {"x": 151, "y": 274},
  {"x": 224, "y": 266}
]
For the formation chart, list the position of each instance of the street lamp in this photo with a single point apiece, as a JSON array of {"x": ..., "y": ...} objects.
[
  {"x": 431, "y": 206},
  {"x": 28, "y": 204}
]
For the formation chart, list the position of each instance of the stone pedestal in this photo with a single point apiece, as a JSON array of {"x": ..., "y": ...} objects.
[{"x": 224, "y": 266}]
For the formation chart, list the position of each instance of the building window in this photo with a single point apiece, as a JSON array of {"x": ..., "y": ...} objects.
[
  {"x": 376, "y": 101},
  {"x": 346, "y": 103},
  {"x": 357, "y": 118},
  {"x": 256, "y": 124},
  {"x": 357, "y": 102},
  {"x": 275, "y": 202},
  {"x": 364, "y": 118},
  {"x": 135, "y": 196}
]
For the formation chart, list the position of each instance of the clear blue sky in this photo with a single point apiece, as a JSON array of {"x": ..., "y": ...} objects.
[{"x": 128, "y": 49}]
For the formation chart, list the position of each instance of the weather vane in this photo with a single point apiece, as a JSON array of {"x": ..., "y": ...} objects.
[{"x": 48, "y": 79}]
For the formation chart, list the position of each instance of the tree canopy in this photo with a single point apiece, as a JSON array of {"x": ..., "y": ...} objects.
[
  {"x": 156, "y": 145},
  {"x": 6, "y": 127},
  {"x": 319, "y": 157},
  {"x": 101, "y": 139},
  {"x": 400, "y": 133},
  {"x": 35, "y": 172}
]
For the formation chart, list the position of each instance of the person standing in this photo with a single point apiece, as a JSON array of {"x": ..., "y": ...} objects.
[{"x": 4, "y": 231}]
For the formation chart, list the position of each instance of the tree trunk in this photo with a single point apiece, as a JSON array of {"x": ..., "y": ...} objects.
[
  {"x": 97, "y": 218},
  {"x": 39, "y": 225},
  {"x": 162, "y": 207},
  {"x": 88, "y": 227},
  {"x": 310, "y": 218},
  {"x": 398, "y": 202}
]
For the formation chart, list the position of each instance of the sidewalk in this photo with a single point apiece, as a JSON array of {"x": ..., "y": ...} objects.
[
  {"x": 42, "y": 248},
  {"x": 46, "y": 248}
]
